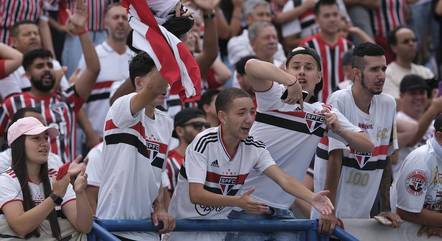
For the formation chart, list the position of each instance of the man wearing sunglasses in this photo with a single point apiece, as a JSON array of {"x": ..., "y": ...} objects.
[
  {"x": 187, "y": 124},
  {"x": 402, "y": 41}
]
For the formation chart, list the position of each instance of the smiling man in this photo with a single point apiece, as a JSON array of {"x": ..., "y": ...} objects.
[{"x": 217, "y": 164}]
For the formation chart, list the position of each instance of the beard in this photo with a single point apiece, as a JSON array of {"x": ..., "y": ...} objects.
[
  {"x": 42, "y": 84},
  {"x": 373, "y": 92}
]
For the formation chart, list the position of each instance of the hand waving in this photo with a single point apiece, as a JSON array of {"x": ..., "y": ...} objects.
[{"x": 77, "y": 21}]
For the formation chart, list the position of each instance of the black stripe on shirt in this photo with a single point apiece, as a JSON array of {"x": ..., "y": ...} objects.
[
  {"x": 232, "y": 192},
  {"x": 369, "y": 166},
  {"x": 321, "y": 153},
  {"x": 287, "y": 124},
  {"x": 211, "y": 135},
  {"x": 133, "y": 140},
  {"x": 100, "y": 96}
]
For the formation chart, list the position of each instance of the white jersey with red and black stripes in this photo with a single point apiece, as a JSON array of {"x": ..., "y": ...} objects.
[
  {"x": 13, "y": 11},
  {"x": 58, "y": 109},
  {"x": 135, "y": 149},
  {"x": 291, "y": 136},
  {"x": 387, "y": 17},
  {"x": 208, "y": 163},
  {"x": 361, "y": 172},
  {"x": 115, "y": 67},
  {"x": 331, "y": 61}
]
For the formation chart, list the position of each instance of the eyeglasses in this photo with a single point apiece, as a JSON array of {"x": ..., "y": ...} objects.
[{"x": 198, "y": 125}]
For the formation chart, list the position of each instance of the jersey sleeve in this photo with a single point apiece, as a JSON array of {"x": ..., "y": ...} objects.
[
  {"x": 94, "y": 166},
  {"x": 265, "y": 160},
  {"x": 412, "y": 184},
  {"x": 196, "y": 165},
  {"x": 270, "y": 99},
  {"x": 73, "y": 98},
  {"x": 9, "y": 190},
  {"x": 120, "y": 113},
  {"x": 69, "y": 195},
  {"x": 335, "y": 140}
]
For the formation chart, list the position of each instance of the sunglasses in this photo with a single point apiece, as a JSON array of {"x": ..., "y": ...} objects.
[{"x": 198, "y": 125}]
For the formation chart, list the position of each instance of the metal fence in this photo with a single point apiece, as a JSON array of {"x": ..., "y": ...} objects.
[{"x": 102, "y": 228}]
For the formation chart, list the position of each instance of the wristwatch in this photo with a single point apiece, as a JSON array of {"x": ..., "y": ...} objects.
[{"x": 57, "y": 200}]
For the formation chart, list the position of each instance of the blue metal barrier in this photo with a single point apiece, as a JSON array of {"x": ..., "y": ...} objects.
[{"x": 310, "y": 227}]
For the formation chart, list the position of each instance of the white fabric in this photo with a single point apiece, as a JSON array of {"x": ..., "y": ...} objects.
[
  {"x": 361, "y": 172},
  {"x": 404, "y": 151},
  {"x": 134, "y": 159},
  {"x": 161, "y": 8},
  {"x": 94, "y": 168},
  {"x": 54, "y": 160},
  {"x": 292, "y": 150},
  {"x": 395, "y": 73},
  {"x": 10, "y": 189},
  {"x": 239, "y": 47},
  {"x": 114, "y": 68},
  {"x": 17, "y": 80},
  {"x": 208, "y": 163},
  {"x": 419, "y": 184}
]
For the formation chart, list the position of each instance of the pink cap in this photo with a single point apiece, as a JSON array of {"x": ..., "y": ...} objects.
[{"x": 28, "y": 126}]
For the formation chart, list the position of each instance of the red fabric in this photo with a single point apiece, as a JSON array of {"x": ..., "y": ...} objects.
[
  {"x": 162, "y": 49},
  {"x": 2, "y": 68}
]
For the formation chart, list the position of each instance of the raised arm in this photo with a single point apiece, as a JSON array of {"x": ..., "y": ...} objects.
[
  {"x": 155, "y": 86},
  {"x": 77, "y": 26},
  {"x": 12, "y": 58},
  {"x": 210, "y": 44},
  {"x": 294, "y": 13},
  {"x": 262, "y": 73}
]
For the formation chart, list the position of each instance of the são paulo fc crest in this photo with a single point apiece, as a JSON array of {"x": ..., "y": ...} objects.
[
  {"x": 314, "y": 121},
  {"x": 362, "y": 158},
  {"x": 226, "y": 183},
  {"x": 416, "y": 182}
]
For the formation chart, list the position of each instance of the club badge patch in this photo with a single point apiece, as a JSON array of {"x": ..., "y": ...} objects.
[
  {"x": 314, "y": 121},
  {"x": 416, "y": 182}
]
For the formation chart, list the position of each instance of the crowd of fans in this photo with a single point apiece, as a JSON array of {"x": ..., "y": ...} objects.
[{"x": 325, "y": 109}]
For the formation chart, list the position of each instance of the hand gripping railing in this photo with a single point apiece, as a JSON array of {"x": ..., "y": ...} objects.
[{"x": 102, "y": 228}]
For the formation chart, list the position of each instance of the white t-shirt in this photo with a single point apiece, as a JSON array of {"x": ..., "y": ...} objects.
[
  {"x": 239, "y": 47},
  {"x": 54, "y": 160},
  {"x": 361, "y": 172},
  {"x": 404, "y": 151},
  {"x": 208, "y": 163},
  {"x": 94, "y": 167},
  {"x": 420, "y": 180},
  {"x": 291, "y": 136},
  {"x": 135, "y": 150},
  {"x": 10, "y": 190},
  {"x": 114, "y": 67},
  {"x": 17, "y": 81},
  {"x": 395, "y": 73}
]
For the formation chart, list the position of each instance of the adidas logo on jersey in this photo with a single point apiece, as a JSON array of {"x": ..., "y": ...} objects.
[{"x": 214, "y": 164}]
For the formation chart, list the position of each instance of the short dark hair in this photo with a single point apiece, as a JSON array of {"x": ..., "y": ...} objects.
[
  {"x": 227, "y": 96},
  {"x": 140, "y": 65},
  {"x": 323, "y": 2},
  {"x": 365, "y": 49},
  {"x": 30, "y": 56},
  {"x": 240, "y": 66},
  {"x": 391, "y": 37},
  {"x": 16, "y": 26},
  {"x": 206, "y": 98}
]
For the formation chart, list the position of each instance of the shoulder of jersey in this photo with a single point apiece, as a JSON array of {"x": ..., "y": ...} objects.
[
  {"x": 250, "y": 141},
  {"x": 9, "y": 173},
  {"x": 386, "y": 98},
  {"x": 204, "y": 138}
]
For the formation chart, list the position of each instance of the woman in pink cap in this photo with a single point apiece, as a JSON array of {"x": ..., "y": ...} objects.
[{"x": 31, "y": 198}]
